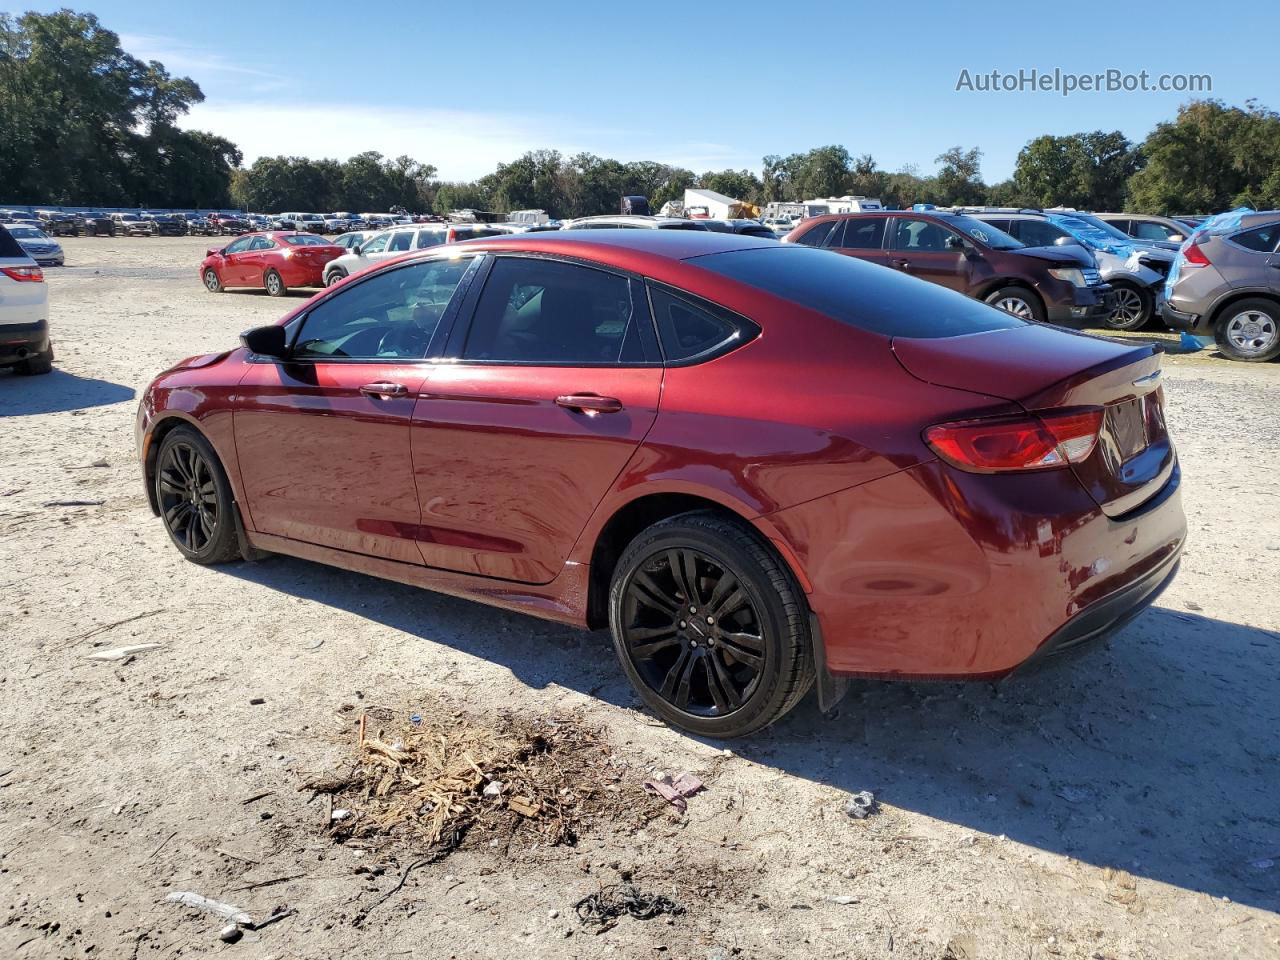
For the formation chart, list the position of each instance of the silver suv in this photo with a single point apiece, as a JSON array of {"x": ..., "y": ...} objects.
[{"x": 1226, "y": 283}]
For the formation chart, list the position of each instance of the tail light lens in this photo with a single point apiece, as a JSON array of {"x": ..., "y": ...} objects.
[
  {"x": 1034, "y": 442},
  {"x": 1193, "y": 256},
  {"x": 24, "y": 274}
]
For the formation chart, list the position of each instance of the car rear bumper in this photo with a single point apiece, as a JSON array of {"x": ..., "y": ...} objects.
[
  {"x": 1182, "y": 320},
  {"x": 18, "y": 341},
  {"x": 933, "y": 573}
]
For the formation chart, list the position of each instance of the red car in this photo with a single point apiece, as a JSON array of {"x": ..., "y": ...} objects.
[
  {"x": 757, "y": 463},
  {"x": 273, "y": 261}
]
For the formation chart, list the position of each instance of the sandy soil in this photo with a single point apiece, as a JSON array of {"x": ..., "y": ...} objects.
[{"x": 1123, "y": 805}]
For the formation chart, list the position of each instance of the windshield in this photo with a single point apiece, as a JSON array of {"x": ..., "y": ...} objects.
[
  {"x": 128, "y": 216},
  {"x": 1113, "y": 232},
  {"x": 28, "y": 233},
  {"x": 312, "y": 216},
  {"x": 984, "y": 233},
  {"x": 306, "y": 240},
  {"x": 860, "y": 294},
  {"x": 1091, "y": 236}
]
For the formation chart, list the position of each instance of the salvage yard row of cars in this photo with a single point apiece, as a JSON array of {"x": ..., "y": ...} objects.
[{"x": 58, "y": 223}]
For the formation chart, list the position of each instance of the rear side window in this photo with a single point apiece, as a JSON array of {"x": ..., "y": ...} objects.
[
  {"x": 1039, "y": 233},
  {"x": 816, "y": 236},
  {"x": 690, "y": 331},
  {"x": 858, "y": 293},
  {"x": 919, "y": 235},
  {"x": 1263, "y": 239},
  {"x": 546, "y": 312},
  {"x": 400, "y": 241},
  {"x": 863, "y": 234}
]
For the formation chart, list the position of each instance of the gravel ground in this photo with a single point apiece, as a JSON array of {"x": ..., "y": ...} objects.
[{"x": 1121, "y": 805}]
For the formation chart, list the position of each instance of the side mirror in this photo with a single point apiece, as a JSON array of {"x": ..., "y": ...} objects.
[
  {"x": 356, "y": 249},
  {"x": 1176, "y": 238},
  {"x": 268, "y": 341},
  {"x": 213, "y": 252},
  {"x": 954, "y": 243}
]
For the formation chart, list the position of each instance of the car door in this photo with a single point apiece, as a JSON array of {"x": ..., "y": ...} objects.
[
  {"x": 323, "y": 436},
  {"x": 861, "y": 237},
  {"x": 253, "y": 261},
  {"x": 919, "y": 247},
  {"x": 235, "y": 266},
  {"x": 540, "y": 401}
]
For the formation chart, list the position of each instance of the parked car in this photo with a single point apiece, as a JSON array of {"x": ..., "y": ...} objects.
[
  {"x": 746, "y": 228},
  {"x": 916, "y": 521},
  {"x": 258, "y": 222},
  {"x": 386, "y": 244},
  {"x": 131, "y": 225},
  {"x": 334, "y": 225},
  {"x": 1136, "y": 276},
  {"x": 202, "y": 226},
  {"x": 38, "y": 245},
  {"x": 352, "y": 239},
  {"x": 1055, "y": 284},
  {"x": 273, "y": 261},
  {"x": 24, "y": 311},
  {"x": 353, "y": 220},
  {"x": 1153, "y": 229},
  {"x": 58, "y": 224},
  {"x": 226, "y": 224},
  {"x": 1226, "y": 284},
  {"x": 632, "y": 222},
  {"x": 99, "y": 224},
  {"x": 167, "y": 225}
]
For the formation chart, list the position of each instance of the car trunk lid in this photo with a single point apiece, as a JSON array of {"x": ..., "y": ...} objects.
[{"x": 1044, "y": 368}]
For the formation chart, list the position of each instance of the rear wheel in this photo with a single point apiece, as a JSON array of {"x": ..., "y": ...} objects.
[
  {"x": 1131, "y": 306},
  {"x": 195, "y": 498},
  {"x": 1019, "y": 301},
  {"x": 709, "y": 626},
  {"x": 334, "y": 276},
  {"x": 212, "y": 282},
  {"x": 274, "y": 284},
  {"x": 1249, "y": 330}
]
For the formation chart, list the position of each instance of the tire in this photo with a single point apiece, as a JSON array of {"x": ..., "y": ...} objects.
[
  {"x": 1249, "y": 330},
  {"x": 334, "y": 276},
  {"x": 1132, "y": 308},
  {"x": 760, "y": 652},
  {"x": 1019, "y": 301},
  {"x": 35, "y": 366},
  {"x": 212, "y": 282},
  {"x": 195, "y": 500},
  {"x": 274, "y": 284}
]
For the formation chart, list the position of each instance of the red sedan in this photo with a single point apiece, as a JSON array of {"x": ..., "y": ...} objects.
[
  {"x": 756, "y": 463},
  {"x": 272, "y": 261}
]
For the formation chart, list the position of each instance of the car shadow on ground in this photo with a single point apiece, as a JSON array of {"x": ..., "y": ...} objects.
[
  {"x": 1154, "y": 753},
  {"x": 56, "y": 392}
]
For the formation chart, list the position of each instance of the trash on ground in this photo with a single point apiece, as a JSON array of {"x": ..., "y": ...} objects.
[
  {"x": 606, "y": 906},
  {"x": 675, "y": 791},
  {"x": 121, "y": 653},
  {"x": 74, "y": 503},
  {"x": 216, "y": 907},
  {"x": 861, "y": 804},
  {"x": 230, "y": 933},
  {"x": 841, "y": 900}
]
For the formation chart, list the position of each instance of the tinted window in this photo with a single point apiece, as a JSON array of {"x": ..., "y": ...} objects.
[
  {"x": 688, "y": 330},
  {"x": 9, "y": 247},
  {"x": 1262, "y": 239},
  {"x": 1040, "y": 233},
  {"x": 306, "y": 240},
  {"x": 239, "y": 246},
  {"x": 400, "y": 242},
  {"x": 863, "y": 234},
  {"x": 261, "y": 243},
  {"x": 919, "y": 235},
  {"x": 544, "y": 311},
  {"x": 815, "y": 237},
  {"x": 858, "y": 293},
  {"x": 430, "y": 238},
  {"x": 389, "y": 316},
  {"x": 989, "y": 232}
]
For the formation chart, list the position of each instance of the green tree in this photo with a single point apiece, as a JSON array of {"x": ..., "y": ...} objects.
[
  {"x": 1089, "y": 171},
  {"x": 739, "y": 184},
  {"x": 959, "y": 179}
]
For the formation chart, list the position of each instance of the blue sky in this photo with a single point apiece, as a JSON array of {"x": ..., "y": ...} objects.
[{"x": 705, "y": 85}]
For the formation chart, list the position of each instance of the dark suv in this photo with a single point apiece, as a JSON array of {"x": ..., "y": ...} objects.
[{"x": 1054, "y": 284}]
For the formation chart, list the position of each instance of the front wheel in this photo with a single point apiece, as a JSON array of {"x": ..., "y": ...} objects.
[
  {"x": 212, "y": 282},
  {"x": 1019, "y": 301},
  {"x": 195, "y": 498},
  {"x": 1250, "y": 331},
  {"x": 709, "y": 626},
  {"x": 1131, "y": 306},
  {"x": 274, "y": 284},
  {"x": 335, "y": 275}
]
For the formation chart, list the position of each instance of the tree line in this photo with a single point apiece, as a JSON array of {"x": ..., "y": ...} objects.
[{"x": 82, "y": 122}]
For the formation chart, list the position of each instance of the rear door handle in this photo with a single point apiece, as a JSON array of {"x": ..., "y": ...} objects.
[
  {"x": 589, "y": 401},
  {"x": 902, "y": 264},
  {"x": 384, "y": 389}
]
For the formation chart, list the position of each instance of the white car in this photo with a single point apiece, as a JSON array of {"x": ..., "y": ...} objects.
[
  {"x": 38, "y": 245},
  {"x": 24, "y": 311},
  {"x": 386, "y": 244},
  {"x": 631, "y": 222},
  {"x": 335, "y": 224},
  {"x": 352, "y": 239}
]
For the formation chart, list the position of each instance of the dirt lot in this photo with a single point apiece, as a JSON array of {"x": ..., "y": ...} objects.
[{"x": 1124, "y": 805}]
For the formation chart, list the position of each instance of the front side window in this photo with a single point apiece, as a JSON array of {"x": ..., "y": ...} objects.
[
  {"x": 390, "y": 316},
  {"x": 1263, "y": 239},
  {"x": 238, "y": 246},
  {"x": 545, "y": 311},
  {"x": 1145, "y": 230},
  {"x": 261, "y": 243},
  {"x": 1040, "y": 233},
  {"x": 376, "y": 245},
  {"x": 863, "y": 234},
  {"x": 920, "y": 236},
  {"x": 816, "y": 236}
]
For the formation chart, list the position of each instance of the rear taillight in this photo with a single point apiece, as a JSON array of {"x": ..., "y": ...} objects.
[
  {"x": 1193, "y": 256},
  {"x": 24, "y": 274},
  {"x": 1034, "y": 442}
]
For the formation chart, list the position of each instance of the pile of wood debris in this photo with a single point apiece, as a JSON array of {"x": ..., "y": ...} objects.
[{"x": 431, "y": 778}]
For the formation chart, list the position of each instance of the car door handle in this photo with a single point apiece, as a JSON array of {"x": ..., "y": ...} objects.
[
  {"x": 902, "y": 264},
  {"x": 589, "y": 402},
  {"x": 384, "y": 389}
]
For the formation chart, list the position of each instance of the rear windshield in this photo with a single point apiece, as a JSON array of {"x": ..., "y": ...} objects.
[
  {"x": 306, "y": 240},
  {"x": 860, "y": 294}
]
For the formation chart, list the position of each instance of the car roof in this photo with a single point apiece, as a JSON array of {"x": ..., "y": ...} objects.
[{"x": 668, "y": 244}]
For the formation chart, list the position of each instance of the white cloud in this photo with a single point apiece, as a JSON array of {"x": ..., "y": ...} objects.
[{"x": 184, "y": 59}]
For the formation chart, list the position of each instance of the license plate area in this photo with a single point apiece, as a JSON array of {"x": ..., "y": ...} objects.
[{"x": 1127, "y": 425}]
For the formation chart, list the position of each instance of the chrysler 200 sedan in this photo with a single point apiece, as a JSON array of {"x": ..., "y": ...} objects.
[{"x": 757, "y": 463}]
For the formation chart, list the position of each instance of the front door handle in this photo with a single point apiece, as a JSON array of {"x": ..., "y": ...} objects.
[
  {"x": 384, "y": 389},
  {"x": 902, "y": 264},
  {"x": 589, "y": 402}
]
